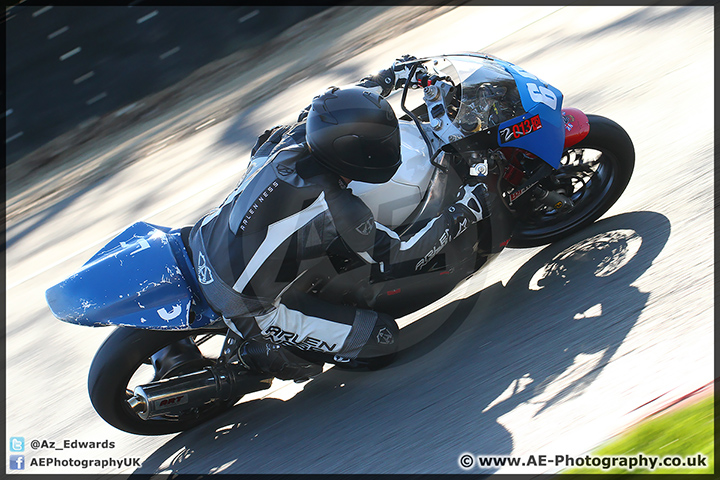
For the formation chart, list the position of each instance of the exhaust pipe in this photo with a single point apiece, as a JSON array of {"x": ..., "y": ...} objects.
[{"x": 172, "y": 396}]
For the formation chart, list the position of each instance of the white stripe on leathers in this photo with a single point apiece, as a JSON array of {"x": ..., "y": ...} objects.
[
  {"x": 277, "y": 233},
  {"x": 329, "y": 336}
]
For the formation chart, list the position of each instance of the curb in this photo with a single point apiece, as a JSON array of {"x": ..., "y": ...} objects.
[{"x": 670, "y": 405}]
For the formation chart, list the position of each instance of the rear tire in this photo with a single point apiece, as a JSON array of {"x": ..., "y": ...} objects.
[{"x": 603, "y": 181}]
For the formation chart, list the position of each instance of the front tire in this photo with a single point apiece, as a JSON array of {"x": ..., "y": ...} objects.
[
  {"x": 594, "y": 185},
  {"x": 116, "y": 362}
]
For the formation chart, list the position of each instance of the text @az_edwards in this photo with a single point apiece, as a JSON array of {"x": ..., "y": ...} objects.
[{"x": 71, "y": 444}]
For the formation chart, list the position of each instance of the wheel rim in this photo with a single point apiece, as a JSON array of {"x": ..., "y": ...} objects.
[{"x": 585, "y": 175}]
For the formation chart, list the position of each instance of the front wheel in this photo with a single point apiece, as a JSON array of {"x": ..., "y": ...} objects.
[
  {"x": 125, "y": 359},
  {"x": 593, "y": 174}
]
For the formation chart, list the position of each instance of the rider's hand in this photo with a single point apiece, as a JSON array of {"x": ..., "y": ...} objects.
[
  {"x": 402, "y": 71},
  {"x": 474, "y": 199}
]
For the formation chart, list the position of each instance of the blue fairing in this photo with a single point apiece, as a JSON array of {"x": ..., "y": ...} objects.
[
  {"x": 143, "y": 278},
  {"x": 538, "y": 98}
]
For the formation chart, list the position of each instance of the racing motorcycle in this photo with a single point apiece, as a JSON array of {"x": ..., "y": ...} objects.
[{"x": 549, "y": 172}]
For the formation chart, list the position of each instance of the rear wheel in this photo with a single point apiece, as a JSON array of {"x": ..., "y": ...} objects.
[
  {"x": 125, "y": 360},
  {"x": 592, "y": 173}
]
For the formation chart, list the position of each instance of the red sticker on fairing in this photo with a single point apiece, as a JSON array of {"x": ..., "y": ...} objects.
[{"x": 525, "y": 127}]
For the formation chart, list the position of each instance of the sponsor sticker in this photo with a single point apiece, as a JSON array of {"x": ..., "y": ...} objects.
[{"x": 520, "y": 129}]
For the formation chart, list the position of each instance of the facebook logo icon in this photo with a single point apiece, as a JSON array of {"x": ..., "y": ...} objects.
[{"x": 17, "y": 462}]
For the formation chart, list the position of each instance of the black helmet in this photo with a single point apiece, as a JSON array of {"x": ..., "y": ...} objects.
[{"x": 354, "y": 133}]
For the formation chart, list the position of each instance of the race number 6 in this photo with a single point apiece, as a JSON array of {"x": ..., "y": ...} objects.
[{"x": 541, "y": 94}]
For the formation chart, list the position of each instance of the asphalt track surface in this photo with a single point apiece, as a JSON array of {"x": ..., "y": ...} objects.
[{"x": 549, "y": 351}]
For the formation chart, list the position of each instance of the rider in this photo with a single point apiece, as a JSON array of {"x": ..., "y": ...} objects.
[{"x": 295, "y": 211}]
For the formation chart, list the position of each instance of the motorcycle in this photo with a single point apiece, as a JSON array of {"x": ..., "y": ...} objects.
[{"x": 549, "y": 171}]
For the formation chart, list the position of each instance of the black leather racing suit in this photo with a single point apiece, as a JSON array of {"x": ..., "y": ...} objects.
[{"x": 278, "y": 225}]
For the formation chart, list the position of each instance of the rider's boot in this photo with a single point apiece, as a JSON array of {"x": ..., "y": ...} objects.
[{"x": 276, "y": 360}]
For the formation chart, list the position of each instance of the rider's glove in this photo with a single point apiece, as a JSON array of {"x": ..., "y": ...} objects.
[
  {"x": 402, "y": 71},
  {"x": 394, "y": 77},
  {"x": 473, "y": 199}
]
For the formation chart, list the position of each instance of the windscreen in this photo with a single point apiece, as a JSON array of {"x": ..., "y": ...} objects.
[{"x": 489, "y": 94}]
